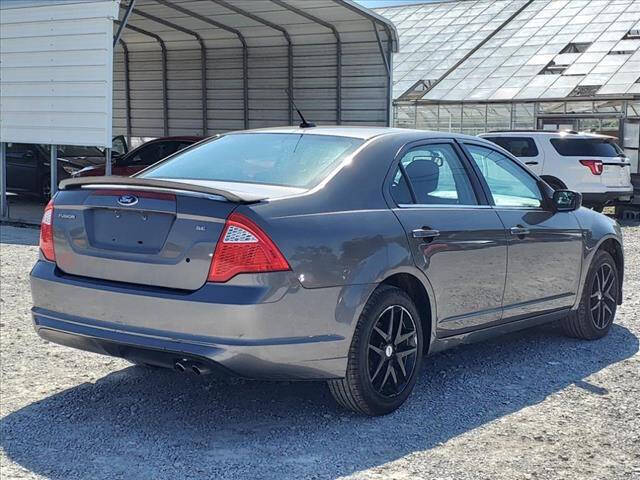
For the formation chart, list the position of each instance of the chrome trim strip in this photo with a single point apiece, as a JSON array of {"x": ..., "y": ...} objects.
[
  {"x": 187, "y": 193},
  {"x": 446, "y": 206}
]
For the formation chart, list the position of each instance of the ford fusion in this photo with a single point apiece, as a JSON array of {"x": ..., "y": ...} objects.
[{"x": 344, "y": 254}]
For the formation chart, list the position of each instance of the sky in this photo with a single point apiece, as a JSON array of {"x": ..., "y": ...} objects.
[{"x": 387, "y": 3}]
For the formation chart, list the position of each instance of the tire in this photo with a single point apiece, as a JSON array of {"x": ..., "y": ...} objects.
[
  {"x": 370, "y": 362},
  {"x": 596, "y": 312}
]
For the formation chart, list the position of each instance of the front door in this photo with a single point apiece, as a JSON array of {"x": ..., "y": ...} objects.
[
  {"x": 545, "y": 247},
  {"x": 456, "y": 239}
]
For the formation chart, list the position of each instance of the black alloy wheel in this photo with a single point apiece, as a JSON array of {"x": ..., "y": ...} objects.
[
  {"x": 393, "y": 349},
  {"x": 602, "y": 302}
]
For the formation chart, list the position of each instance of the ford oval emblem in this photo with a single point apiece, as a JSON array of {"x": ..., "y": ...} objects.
[{"x": 127, "y": 200}]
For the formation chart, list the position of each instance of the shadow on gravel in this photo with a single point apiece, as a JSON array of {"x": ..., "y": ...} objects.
[
  {"x": 18, "y": 234},
  {"x": 152, "y": 424}
]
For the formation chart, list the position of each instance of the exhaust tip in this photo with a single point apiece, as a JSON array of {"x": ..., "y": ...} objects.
[
  {"x": 179, "y": 367},
  {"x": 195, "y": 369}
]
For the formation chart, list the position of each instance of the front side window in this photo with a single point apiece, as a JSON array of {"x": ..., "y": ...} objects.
[
  {"x": 521, "y": 147},
  {"x": 437, "y": 176},
  {"x": 510, "y": 185},
  {"x": 294, "y": 160}
]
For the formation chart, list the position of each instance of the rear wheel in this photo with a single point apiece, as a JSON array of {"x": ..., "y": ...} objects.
[
  {"x": 597, "y": 308},
  {"x": 385, "y": 355}
]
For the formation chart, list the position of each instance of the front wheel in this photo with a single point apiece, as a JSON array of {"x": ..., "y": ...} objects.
[
  {"x": 385, "y": 355},
  {"x": 597, "y": 308}
]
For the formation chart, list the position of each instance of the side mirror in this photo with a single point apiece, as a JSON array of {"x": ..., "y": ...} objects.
[{"x": 566, "y": 200}]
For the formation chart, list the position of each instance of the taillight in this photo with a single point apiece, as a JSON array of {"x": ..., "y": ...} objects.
[
  {"x": 594, "y": 165},
  {"x": 244, "y": 248},
  {"x": 46, "y": 233}
]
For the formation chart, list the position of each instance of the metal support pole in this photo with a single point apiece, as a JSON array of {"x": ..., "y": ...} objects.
[
  {"x": 123, "y": 22},
  {"x": 127, "y": 90},
  {"x": 245, "y": 85},
  {"x": 165, "y": 90},
  {"x": 512, "y": 116},
  {"x": 163, "y": 47},
  {"x": 390, "y": 75},
  {"x": 53, "y": 164},
  {"x": 387, "y": 66},
  {"x": 4, "y": 207},
  {"x": 203, "y": 86},
  {"x": 107, "y": 162}
]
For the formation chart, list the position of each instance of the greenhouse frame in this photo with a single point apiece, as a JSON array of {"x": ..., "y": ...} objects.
[{"x": 475, "y": 66}]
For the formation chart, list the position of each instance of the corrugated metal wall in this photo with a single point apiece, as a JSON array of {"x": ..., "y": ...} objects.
[
  {"x": 55, "y": 72},
  {"x": 62, "y": 79},
  {"x": 364, "y": 79}
]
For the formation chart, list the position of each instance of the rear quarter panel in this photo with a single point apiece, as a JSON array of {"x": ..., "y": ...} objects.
[{"x": 343, "y": 233}]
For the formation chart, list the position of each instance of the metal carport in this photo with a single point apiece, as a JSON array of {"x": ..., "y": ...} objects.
[{"x": 202, "y": 67}]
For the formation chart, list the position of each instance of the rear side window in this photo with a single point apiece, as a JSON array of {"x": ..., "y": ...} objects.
[
  {"x": 289, "y": 159},
  {"x": 586, "y": 147},
  {"x": 437, "y": 176},
  {"x": 517, "y": 146}
]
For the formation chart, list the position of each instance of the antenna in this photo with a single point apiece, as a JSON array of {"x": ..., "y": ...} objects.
[{"x": 304, "y": 123}]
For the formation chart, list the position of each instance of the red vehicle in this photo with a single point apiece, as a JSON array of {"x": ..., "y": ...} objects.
[{"x": 141, "y": 157}]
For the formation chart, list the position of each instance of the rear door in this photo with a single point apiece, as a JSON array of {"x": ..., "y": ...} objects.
[
  {"x": 456, "y": 239},
  {"x": 545, "y": 247}
]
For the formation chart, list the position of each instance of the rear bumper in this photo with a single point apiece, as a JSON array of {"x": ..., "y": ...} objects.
[
  {"x": 602, "y": 198},
  {"x": 249, "y": 328}
]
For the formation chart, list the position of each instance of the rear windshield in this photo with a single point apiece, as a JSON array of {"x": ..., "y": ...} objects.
[
  {"x": 586, "y": 147},
  {"x": 517, "y": 146},
  {"x": 293, "y": 160}
]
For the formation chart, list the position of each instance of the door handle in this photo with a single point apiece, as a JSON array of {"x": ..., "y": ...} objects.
[
  {"x": 519, "y": 231},
  {"x": 531, "y": 163},
  {"x": 425, "y": 233}
]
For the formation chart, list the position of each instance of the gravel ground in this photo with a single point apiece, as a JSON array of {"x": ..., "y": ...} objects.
[{"x": 530, "y": 405}]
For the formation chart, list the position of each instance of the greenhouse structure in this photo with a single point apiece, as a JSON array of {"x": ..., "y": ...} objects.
[{"x": 482, "y": 65}]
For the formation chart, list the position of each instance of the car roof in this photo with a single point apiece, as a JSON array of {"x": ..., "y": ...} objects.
[
  {"x": 545, "y": 133},
  {"x": 364, "y": 132}
]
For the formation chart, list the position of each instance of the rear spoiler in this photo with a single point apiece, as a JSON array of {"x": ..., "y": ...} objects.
[{"x": 133, "y": 183}]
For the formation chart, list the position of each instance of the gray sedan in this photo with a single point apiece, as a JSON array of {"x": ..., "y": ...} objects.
[{"x": 343, "y": 254}]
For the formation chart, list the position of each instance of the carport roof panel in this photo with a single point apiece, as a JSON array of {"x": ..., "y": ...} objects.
[{"x": 349, "y": 19}]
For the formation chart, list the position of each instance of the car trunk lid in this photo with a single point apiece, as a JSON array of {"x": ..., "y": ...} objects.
[
  {"x": 149, "y": 232},
  {"x": 616, "y": 172}
]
